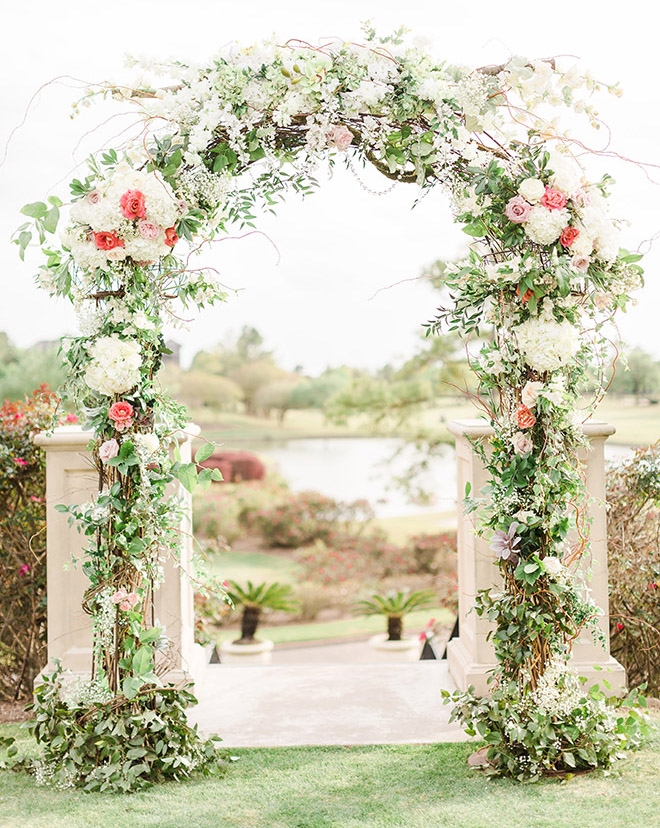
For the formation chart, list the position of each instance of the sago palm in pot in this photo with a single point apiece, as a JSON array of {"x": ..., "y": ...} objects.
[
  {"x": 394, "y": 606},
  {"x": 254, "y": 599}
]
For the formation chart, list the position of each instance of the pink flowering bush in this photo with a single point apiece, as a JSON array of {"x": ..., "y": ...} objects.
[
  {"x": 23, "y": 542},
  {"x": 305, "y": 517}
]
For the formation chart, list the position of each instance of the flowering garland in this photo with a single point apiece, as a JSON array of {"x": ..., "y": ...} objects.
[{"x": 223, "y": 140}]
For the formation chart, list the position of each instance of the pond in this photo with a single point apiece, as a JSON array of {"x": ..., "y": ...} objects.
[{"x": 353, "y": 468}]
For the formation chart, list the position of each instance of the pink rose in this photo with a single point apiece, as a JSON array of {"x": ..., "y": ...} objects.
[
  {"x": 132, "y": 205},
  {"x": 581, "y": 199},
  {"x": 132, "y": 599},
  {"x": 125, "y": 606},
  {"x": 108, "y": 450},
  {"x": 148, "y": 230},
  {"x": 340, "y": 136},
  {"x": 93, "y": 197},
  {"x": 517, "y": 210},
  {"x": 580, "y": 263},
  {"x": 521, "y": 443},
  {"x": 24, "y": 570},
  {"x": 121, "y": 414},
  {"x": 553, "y": 199},
  {"x": 119, "y": 596}
]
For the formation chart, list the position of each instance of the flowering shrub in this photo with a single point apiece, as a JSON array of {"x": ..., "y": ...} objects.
[
  {"x": 427, "y": 549},
  {"x": 633, "y": 540},
  {"x": 23, "y": 542},
  {"x": 306, "y": 517},
  {"x": 544, "y": 268}
]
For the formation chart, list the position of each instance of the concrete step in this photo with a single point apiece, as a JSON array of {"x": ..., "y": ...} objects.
[{"x": 326, "y": 704}]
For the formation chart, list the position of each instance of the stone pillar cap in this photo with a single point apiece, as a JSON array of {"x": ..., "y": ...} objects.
[
  {"x": 72, "y": 437},
  {"x": 481, "y": 428}
]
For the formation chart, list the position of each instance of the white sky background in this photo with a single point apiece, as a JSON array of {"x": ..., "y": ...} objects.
[{"x": 341, "y": 246}]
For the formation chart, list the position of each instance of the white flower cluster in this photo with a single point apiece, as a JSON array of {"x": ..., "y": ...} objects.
[
  {"x": 114, "y": 365},
  {"x": 558, "y": 691},
  {"x": 199, "y": 187},
  {"x": 546, "y": 344},
  {"x": 132, "y": 214},
  {"x": 75, "y": 692}
]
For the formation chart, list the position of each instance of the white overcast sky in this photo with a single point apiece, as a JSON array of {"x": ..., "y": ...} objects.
[{"x": 320, "y": 304}]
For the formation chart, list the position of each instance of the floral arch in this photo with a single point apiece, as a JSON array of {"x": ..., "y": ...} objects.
[{"x": 222, "y": 141}]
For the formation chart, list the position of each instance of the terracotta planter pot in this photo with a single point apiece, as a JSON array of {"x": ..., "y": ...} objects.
[
  {"x": 261, "y": 652},
  {"x": 405, "y": 650}
]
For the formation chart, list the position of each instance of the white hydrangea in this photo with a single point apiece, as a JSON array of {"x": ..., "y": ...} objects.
[
  {"x": 146, "y": 445},
  {"x": 547, "y": 344},
  {"x": 544, "y": 226},
  {"x": 114, "y": 367}
]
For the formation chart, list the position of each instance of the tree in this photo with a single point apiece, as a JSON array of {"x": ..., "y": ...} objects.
[
  {"x": 640, "y": 376},
  {"x": 29, "y": 369},
  {"x": 276, "y": 396},
  {"x": 232, "y": 354},
  {"x": 252, "y": 376},
  {"x": 208, "y": 391},
  {"x": 254, "y": 600}
]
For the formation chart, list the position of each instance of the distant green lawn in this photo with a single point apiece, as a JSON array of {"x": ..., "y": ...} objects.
[
  {"x": 344, "y": 627},
  {"x": 255, "y": 566},
  {"x": 402, "y": 786}
]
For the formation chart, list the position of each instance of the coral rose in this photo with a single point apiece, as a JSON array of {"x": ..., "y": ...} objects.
[
  {"x": 524, "y": 417},
  {"x": 553, "y": 199},
  {"x": 171, "y": 237},
  {"x": 107, "y": 241},
  {"x": 121, "y": 413},
  {"x": 527, "y": 295},
  {"x": 568, "y": 236},
  {"x": 132, "y": 205},
  {"x": 517, "y": 210}
]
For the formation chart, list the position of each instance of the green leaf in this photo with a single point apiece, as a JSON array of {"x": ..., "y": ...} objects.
[
  {"x": 142, "y": 661},
  {"x": 50, "y": 220},
  {"x": 130, "y": 686},
  {"x": 476, "y": 228},
  {"x": 204, "y": 452},
  {"x": 216, "y": 475},
  {"x": 37, "y": 209},
  {"x": 152, "y": 634}
]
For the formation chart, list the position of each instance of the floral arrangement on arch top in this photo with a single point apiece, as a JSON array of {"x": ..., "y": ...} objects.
[{"x": 219, "y": 142}]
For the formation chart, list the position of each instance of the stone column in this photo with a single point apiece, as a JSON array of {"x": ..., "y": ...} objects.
[
  {"x": 72, "y": 479},
  {"x": 471, "y": 656}
]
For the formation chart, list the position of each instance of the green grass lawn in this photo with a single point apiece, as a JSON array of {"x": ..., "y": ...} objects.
[
  {"x": 255, "y": 566},
  {"x": 403, "y": 786}
]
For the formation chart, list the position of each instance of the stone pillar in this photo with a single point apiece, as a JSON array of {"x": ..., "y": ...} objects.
[
  {"x": 471, "y": 656},
  {"x": 72, "y": 479}
]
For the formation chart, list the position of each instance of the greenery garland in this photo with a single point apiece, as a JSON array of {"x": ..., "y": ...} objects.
[{"x": 221, "y": 141}]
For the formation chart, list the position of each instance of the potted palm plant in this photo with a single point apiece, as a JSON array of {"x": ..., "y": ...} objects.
[
  {"x": 254, "y": 599},
  {"x": 392, "y": 645}
]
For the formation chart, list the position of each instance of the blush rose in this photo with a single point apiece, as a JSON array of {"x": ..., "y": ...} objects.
[
  {"x": 108, "y": 450},
  {"x": 517, "y": 210}
]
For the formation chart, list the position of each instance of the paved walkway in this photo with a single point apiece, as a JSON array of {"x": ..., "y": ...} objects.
[{"x": 326, "y": 704}]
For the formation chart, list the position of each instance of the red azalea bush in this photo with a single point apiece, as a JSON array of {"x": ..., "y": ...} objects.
[
  {"x": 633, "y": 537},
  {"x": 236, "y": 466},
  {"x": 23, "y": 646}
]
